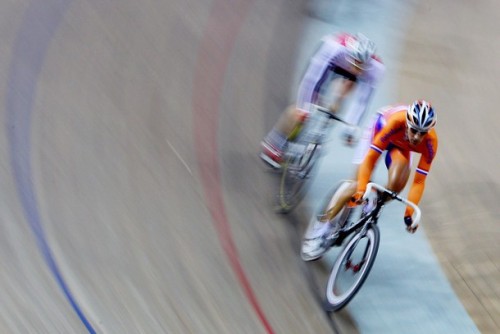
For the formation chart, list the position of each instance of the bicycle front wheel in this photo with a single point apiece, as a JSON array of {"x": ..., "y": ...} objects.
[
  {"x": 351, "y": 268},
  {"x": 296, "y": 172}
]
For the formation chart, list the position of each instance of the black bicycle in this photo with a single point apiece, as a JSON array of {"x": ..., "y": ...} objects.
[
  {"x": 355, "y": 260},
  {"x": 300, "y": 157}
]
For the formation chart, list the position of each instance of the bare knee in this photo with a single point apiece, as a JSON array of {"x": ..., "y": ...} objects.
[{"x": 289, "y": 120}]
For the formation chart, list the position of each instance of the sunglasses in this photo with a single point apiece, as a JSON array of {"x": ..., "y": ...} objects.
[
  {"x": 415, "y": 131},
  {"x": 356, "y": 63}
]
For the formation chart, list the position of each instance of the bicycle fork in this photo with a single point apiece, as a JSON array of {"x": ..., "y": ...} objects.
[{"x": 349, "y": 264}]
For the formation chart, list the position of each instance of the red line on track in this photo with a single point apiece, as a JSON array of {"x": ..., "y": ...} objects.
[{"x": 223, "y": 25}]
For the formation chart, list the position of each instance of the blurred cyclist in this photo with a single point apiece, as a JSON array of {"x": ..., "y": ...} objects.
[
  {"x": 398, "y": 130},
  {"x": 346, "y": 61}
]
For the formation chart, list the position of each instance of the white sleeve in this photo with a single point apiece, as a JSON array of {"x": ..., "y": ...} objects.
[
  {"x": 316, "y": 73},
  {"x": 365, "y": 87}
]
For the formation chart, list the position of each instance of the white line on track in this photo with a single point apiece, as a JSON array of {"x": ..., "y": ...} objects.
[{"x": 179, "y": 156}]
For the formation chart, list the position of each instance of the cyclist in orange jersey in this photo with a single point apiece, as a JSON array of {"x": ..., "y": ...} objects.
[{"x": 399, "y": 131}]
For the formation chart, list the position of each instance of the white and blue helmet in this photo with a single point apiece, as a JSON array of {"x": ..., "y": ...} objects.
[
  {"x": 360, "y": 49},
  {"x": 421, "y": 116}
]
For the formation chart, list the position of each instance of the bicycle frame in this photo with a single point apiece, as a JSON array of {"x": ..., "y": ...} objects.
[
  {"x": 305, "y": 144},
  {"x": 372, "y": 216},
  {"x": 300, "y": 158},
  {"x": 317, "y": 137}
]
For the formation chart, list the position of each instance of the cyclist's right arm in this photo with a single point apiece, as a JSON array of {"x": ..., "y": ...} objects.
[
  {"x": 377, "y": 147},
  {"x": 317, "y": 72}
]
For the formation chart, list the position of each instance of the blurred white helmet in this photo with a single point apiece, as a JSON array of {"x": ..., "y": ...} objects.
[{"x": 360, "y": 49}]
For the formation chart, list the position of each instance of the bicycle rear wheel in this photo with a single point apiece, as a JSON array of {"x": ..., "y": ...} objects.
[
  {"x": 351, "y": 268},
  {"x": 296, "y": 172}
]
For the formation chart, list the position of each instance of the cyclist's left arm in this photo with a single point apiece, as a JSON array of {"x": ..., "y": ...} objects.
[
  {"x": 367, "y": 84},
  {"x": 423, "y": 168}
]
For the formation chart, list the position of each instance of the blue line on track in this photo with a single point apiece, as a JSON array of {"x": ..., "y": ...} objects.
[{"x": 40, "y": 22}]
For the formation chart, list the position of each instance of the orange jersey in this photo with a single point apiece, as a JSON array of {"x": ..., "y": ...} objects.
[{"x": 390, "y": 133}]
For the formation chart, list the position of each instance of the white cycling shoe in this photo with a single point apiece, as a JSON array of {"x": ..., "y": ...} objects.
[
  {"x": 312, "y": 249},
  {"x": 313, "y": 243},
  {"x": 271, "y": 154}
]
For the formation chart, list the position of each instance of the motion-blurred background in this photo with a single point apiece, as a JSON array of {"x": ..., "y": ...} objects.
[{"x": 133, "y": 201}]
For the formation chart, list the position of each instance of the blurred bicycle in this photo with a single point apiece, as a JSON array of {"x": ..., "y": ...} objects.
[{"x": 300, "y": 157}]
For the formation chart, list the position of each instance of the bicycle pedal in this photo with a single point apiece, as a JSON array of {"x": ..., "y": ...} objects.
[
  {"x": 275, "y": 166},
  {"x": 331, "y": 236}
]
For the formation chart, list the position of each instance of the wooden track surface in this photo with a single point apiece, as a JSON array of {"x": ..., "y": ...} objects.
[{"x": 132, "y": 197}]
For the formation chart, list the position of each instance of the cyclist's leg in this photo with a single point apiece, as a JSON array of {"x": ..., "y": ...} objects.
[
  {"x": 340, "y": 88},
  {"x": 274, "y": 143},
  {"x": 289, "y": 120},
  {"x": 398, "y": 164},
  {"x": 339, "y": 200},
  {"x": 321, "y": 227},
  {"x": 295, "y": 115}
]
